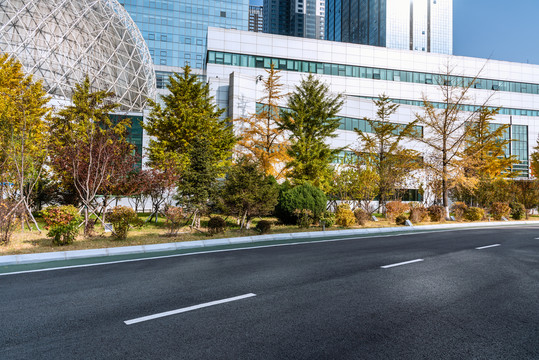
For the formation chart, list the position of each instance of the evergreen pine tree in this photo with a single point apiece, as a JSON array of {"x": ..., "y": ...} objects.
[
  {"x": 311, "y": 120},
  {"x": 187, "y": 114}
]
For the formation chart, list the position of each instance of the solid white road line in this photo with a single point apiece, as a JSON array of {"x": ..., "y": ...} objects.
[
  {"x": 190, "y": 308},
  {"x": 401, "y": 263},
  {"x": 486, "y": 247}
]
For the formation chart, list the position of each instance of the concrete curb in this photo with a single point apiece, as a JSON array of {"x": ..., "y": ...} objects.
[{"x": 183, "y": 245}]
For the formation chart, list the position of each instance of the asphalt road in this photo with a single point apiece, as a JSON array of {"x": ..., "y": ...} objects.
[{"x": 327, "y": 300}]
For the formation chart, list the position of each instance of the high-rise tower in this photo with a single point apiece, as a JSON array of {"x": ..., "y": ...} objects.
[
  {"x": 302, "y": 18},
  {"x": 422, "y": 25}
]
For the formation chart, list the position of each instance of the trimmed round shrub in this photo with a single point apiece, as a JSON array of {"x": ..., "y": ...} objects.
[
  {"x": 436, "y": 213},
  {"x": 263, "y": 226},
  {"x": 518, "y": 211},
  {"x": 418, "y": 213},
  {"x": 328, "y": 218},
  {"x": 121, "y": 217},
  {"x": 401, "y": 219},
  {"x": 301, "y": 197},
  {"x": 362, "y": 217},
  {"x": 459, "y": 208},
  {"x": 62, "y": 223},
  {"x": 216, "y": 225},
  {"x": 395, "y": 208},
  {"x": 474, "y": 214},
  {"x": 499, "y": 210},
  {"x": 344, "y": 216}
]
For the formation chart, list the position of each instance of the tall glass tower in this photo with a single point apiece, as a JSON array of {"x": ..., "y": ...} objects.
[
  {"x": 175, "y": 30},
  {"x": 302, "y": 18},
  {"x": 422, "y": 25}
]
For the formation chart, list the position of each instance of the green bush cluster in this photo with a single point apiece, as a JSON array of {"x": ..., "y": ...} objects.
[
  {"x": 216, "y": 225},
  {"x": 328, "y": 218},
  {"x": 518, "y": 211},
  {"x": 122, "y": 218},
  {"x": 304, "y": 218},
  {"x": 301, "y": 197},
  {"x": 263, "y": 226},
  {"x": 344, "y": 216},
  {"x": 474, "y": 214},
  {"x": 62, "y": 222}
]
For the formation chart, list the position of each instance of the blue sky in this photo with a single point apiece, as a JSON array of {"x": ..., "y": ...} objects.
[{"x": 496, "y": 29}]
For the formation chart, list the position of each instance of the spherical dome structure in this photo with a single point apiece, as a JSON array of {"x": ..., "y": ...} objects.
[{"x": 62, "y": 41}]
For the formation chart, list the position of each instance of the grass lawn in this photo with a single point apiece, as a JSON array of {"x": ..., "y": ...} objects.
[{"x": 26, "y": 242}]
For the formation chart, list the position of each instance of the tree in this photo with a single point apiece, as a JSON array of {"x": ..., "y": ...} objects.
[
  {"x": 197, "y": 185},
  {"x": 23, "y": 132},
  {"x": 484, "y": 160},
  {"x": 158, "y": 186},
  {"x": 88, "y": 150},
  {"x": 356, "y": 185},
  {"x": 261, "y": 138},
  {"x": 247, "y": 192},
  {"x": 187, "y": 114},
  {"x": 382, "y": 150},
  {"x": 311, "y": 120},
  {"x": 446, "y": 130}
]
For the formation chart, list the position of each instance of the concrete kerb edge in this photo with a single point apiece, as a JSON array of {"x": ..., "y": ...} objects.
[{"x": 184, "y": 245}]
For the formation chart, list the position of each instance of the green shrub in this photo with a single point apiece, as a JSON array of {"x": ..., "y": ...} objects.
[
  {"x": 328, "y": 218},
  {"x": 216, "y": 225},
  {"x": 499, "y": 210},
  {"x": 122, "y": 218},
  {"x": 474, "y": 214},
  {"x": 62, "y": 223},
  {"x": 395, "y": 208},
  {"x": 304, "y": 218},
  {"x": 436, "y": 213},
  {"x": 418, "y": 213},
  {"x": 173, "y": 219},
  {"x": 459, "y": 208},
  {"x": 301, "y": 197},
  {"x": 8, "y": 220},
  {"x": 401, "y": 219},
  {"x": 518, "y": 211},
  {"x": 362, "y": 217},
  {"x": 344, "y": 216},
  {"x": 263, "y": 226}
]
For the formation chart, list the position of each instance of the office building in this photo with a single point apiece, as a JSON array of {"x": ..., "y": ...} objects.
[
  {"x": 176, "y": 30},
  {"x": 363, "y": 72},
  {"x": 301, "y": 18},
  {"x": 422, "y": 25},
  {"x": 256, "y": 18}
]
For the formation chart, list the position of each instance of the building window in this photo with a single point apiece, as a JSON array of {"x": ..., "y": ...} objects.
[
  {"x": 223, "y": 13},
  {"x": 151, "y": 36}
]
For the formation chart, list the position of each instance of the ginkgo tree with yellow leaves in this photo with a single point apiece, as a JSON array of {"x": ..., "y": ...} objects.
[{"x": 24, "y": 133}]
